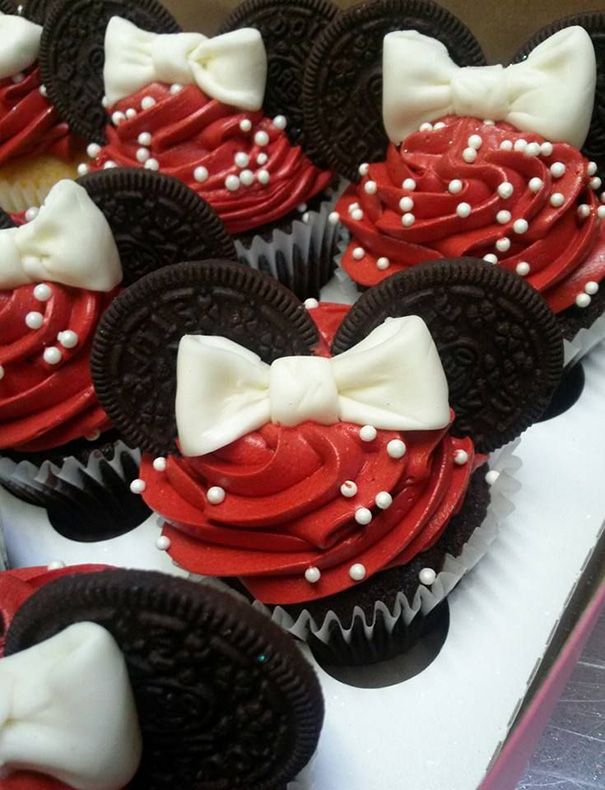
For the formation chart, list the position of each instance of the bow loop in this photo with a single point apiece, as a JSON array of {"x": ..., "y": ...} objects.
[
  {"x": 69, "y": 242},
  {"x": 422, "y": 83},
  {"x": 83, "y": 733},
  {"x": 231, "y": 68},
  {"x": 20, "y": 44}
]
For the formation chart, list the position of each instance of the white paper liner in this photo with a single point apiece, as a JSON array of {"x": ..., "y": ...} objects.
[
  {"x": 585, "y": 341},
  {"x": 506, "y": 464},
  {"x": 3, "y": 554}
]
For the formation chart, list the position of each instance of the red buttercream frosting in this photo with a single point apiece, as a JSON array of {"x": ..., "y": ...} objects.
[
  {"x": 191, "y": 132},
  {"x": 29, "y": 124},
  {"x": 543, "y": 226},
  {"x": 284, "y": 511},
  {"x": 45, "y": 405}
]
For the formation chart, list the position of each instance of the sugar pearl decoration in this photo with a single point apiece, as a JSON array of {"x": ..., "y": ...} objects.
[
  {"x": 357, "y": 215},
  {"x": 427, "y": 576},
  {"x": 557, "y": 199},
  {"x": 109, "y": 164},
  {"x": 591, "y": 168},
  {"x": 595, "y": 183},
  {"x": 262, "y": 159},
  {"x": 383, "y": 263},
  {"x": 241, "y": 159},
  {"x": 142, "y": 155},
  {"x": 557, "y": 169},
  {"x": 490, "y": 258},
  {"x": 591, "y": 288},
  {"x": 505, "y": 189},
  {"x": 176, "y": 88},
  {"x": 522, "y": 268},
  {"x": 333, "y": 217},
  {"x": 117, "y": 118},
  {"x": 152, "y": 164},
  {"x": 200, "y": 174},
  {"x": 263, "y": 176},
  {"x": 348, "y": 488},
  {"x": 34, "y": 320},
  {"x": 546, "y": 149},
  {"x": 93, "y": 150},
  {"x": 407, "y": 220},
  {"x": 583, "y": 211},
  {"x": 280, "y": 122},
  {"x": 246, "y": 177},
  {"x": 148, "y": 102},
  {"x": 503, "y": 217},
  {"x": 159, "y": 464},
  {"x": 535, "y": 184},
  {"x": 455, "y": 186},
  {"x": 406, "y": 204},
  {"x": 358, "y": 253},
  {"x": 138, "y": 486},
  {"x": 144, "y": 138},
  {"x": 313, "y": 575},
  {"x": 68, "y": 338},
  {"x": 55, "y": 565},
  {"x": 92, "y": 436},
  {"x": 583, "y": 300},
  {"x": 396, "y": 449},
  {"x": 261, "y": 138},
  {"x": 163, "y": 543},
  {"x": 520, "y": 226},
  {"x": 460, "y": 457},
  {"x": 42, "y": 292},
  {"x": 363, "y": 516},
  {"x": 532, "y": 149},
  {"x": 506, "y": 145},
  {"x": 520, "y": 144},
  {"x": 475, "y": 141},
  {"x": 469, "y": 155},
  {"x": 503, "y": 245},
  {"x": 311, "y": 304},
  {"x": 383, "y": 500},
  {"x": 370, "y": 187},
  {"x": 463, "y": 210},
  {"x": 43, "y": 91},
  {"x": 601, "y": 212},
  {"x": 368, "y": 433},
  {"x": 409, "y": 183},
  {"x": 215, "y": 495},
  {"x": 357, "y": 572},
  {"x": 82, "y": 169},
  {"x": 491, "y": 477},
  {"x": 426, "y": 127},
  {"x": 105, "y": 102},
  {"x": 32, "y": 213},
  {"x": 232, "y": 183},
  {"x": 245, "y": 125},
  {"x": 439, "y": 125}
]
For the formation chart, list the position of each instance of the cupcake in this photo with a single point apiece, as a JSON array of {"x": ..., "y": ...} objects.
[
  {"x": 314, "y": 457},
  {"x": 480, "y": 163},
  {"x": 192, "y": 107},
  {"x": 188, "y": 685}
]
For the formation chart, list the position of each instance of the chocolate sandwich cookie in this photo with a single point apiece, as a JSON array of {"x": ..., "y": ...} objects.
[
  {"x": 138, "y": 340},
  {"x": 289, "y": 30},
  {"x": 72, "y": 73},
  {"x": 225, "y": 699},
  {"x": 35, "y": 10},
  {"x": 6, "y": 7},
  {"x": 342, "y": 89},
  {"x": 499, "y": 343}
]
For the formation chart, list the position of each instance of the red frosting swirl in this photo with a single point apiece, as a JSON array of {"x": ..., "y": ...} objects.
[
  {"x": 44, "y": 405},
  {"x": 191, "y": 133},
  {"x": 29, "y": 124},
  {"x": 433, "y": 199},
  {"x": 284, "y": 511}
]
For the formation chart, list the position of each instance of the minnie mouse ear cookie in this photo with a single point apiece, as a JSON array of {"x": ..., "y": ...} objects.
[
  {"x": 224, "y": 697},
  {"x": 342, "y": 90}
]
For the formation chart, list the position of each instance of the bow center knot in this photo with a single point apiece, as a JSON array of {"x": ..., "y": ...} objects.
[
  {"x": 480, "y": 92},
  {"x": 303, "y": 388}
]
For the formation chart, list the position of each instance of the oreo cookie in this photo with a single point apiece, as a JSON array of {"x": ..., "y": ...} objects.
[
  {"x": 289, "y": 30},
  {"x": 6, "y": 7},
  {"x": 133, "y": 358},
  {"x": 224, "y": 697},
  {"x": 500, "y": 345},
  {"x": 35, "y": 10},
  {"x": 594, "y": 23},
  {"x": 342, "y": 90},
  {"x": 156, "y": 220},
  {"x": 72, "y": 55}
]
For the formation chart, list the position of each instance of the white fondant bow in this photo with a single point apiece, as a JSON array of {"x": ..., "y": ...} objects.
[
  {"x": 69, "y": 242},
  {"x": 552, "y": 92},
  {"x": 20, "y": 44},
  {"x": 231, "y": 68},
  {"x": 393, "y": 379},
  {"x": 67, "y": 710}
]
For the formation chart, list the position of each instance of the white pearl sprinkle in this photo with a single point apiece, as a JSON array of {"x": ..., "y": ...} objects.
[
  {"x": 352, "y": 207},
  {"x": 427, "y": 576},
  {"x": 31, "y": 213},
  {"x": 533, "y": 149},
  {"x": 263, "y": 176},
  {"x": 357, "y": 215},
  {"x": 601, "y": 212},
  {"x": 55, "y": 565},
  {"x": 409, "y": 183},
  {"x": 245, "y": 125},
  {"x": 261, "y": 138},
  {"x": 311, "y": 304},
  {"x": 591, "y": 168},
  {"x": 148, "y": 102},
  {"x": 463, "y": 210},
  {"x": 232, "y": 183},
  {"x": 163, "y": 543},
  {"x": 333, "y": 217},
  {"x": 142, "y": 155},
  {"x": 138, "y": 486},
  {"x": 144, "y": 139},
  {"x": 313, "y": 575},
  {"x": 460, "y": 457},
  {"x": 280, "y": 122},
  {"x": 109, "y": 165},
  {"x": 407, "y": 220},
  {"x": 42, "y": 292},
  {"x": 17, "y": 78},
  {"x": 520, "y": 226},
  {"x": 82, "y": 169},
  {"x": 503, "y": 245},
  {"x": 469, "y": 155},
  {"x": 1, "y": 372},
  {"x": 152, "y": 164},
  {"x": 93, "y": 436},
  {"x": 306, "y": 217},
  {"x": 475, "y": 141},
  {"x": 583, "y": 300},
  {"x": 93, "y": 150},
  {"x": 246, "y": 177},
  {"x": 491, "y": 477},
  {"x": 490, "y": 258},
  {"x": 368, "y": 433},
  {"x": 406, "y": 204},
  {"x": 215, "y": 495},
  {"x": 68, "y": 338},
  {"x": 241, "y": 159},
  {"x": 383, "y": 500},
  {"x": 358, "y": 253},
  {"x": 357, "y": 572},
  {"x": 34, "y": 320},
  {"x": 200, "y": 174},
  {"x": 535, "y": 184},
  {"x": 383, "y": 263},
  {"x": 43, "y": 91},
  {"x": 546, "y": 149},
  {"x": 503, "y": 217},
  {"x": 520, "y": 144},
  {"x": 455, "y": 186},
  {"x": 396, "y": 449},
  {"x": 505, "y": 189},
  {"x": 52, "y": 355},
  {"x": 488, "y": 122},
  {"x": 425, "y": 127},
  {"x": 370, "y": 187},
  {"x": 583, "y": 211},
  {"x": 439, "y": 125},
  {"x": 175, "y": 88},
  {"x": 363, "y": 169},
  {"x": 506, "y": 145},
  {"x": 595, "y": 183},
  {"x": 117, "y": 118},
  {"x": 591, "y": 288},
  {"x": 522, "y": 268},
  {"x": 557, "y": 199},
  {"x": 159, "y": 464},
  {"x": 557, "y": 169},
  {"x": 363, "y": 516},
  {"x": 105, "y": 102},
  {"x": 262, "y": 159}
]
